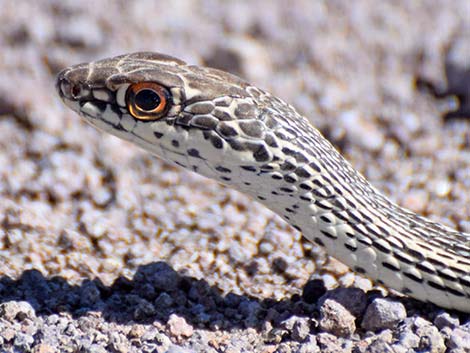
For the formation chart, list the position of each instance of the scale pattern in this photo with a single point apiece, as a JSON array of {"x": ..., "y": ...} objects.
[{"x": 226, "y": 129}]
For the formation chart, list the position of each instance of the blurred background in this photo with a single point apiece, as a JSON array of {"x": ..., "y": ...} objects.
[{"x": 387, "y": 82}]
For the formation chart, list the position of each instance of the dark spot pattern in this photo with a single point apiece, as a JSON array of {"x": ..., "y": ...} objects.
[
  {"x": 289, "y": 178},
  {"x": 252, "y": 128},
  {"x": 325, "y": 219},
  {"x": 262, "y": 154},
  {"x": 183, "y": 120},
  {"x": 194, "y": 153},
  {"x": 200, "y": 108},
  {"x": 245, "y": 111},
  {"x": 288, "y": 165},
  {"x": 413, "y": 277},
  {"x": 436, "y": 285},
  {"x": 359, "y": 269},
  {"x": 204, "y": 122},
  {"x": 381, "y": 248},
  {"x": 390, "y": 266},
  {"x": 236, "y": 145},
  {"x": 271, "y": 141},
  {"x": 222, "y": 115},
  {"x": 421, "y": 267},
  {"x": 226, "y": 130},
  {"x": 324, "y": 206},
  {"x": 319, "y": 241},
  {"x": 303, "y": 172},
  {"x": 328, "y": 235},
  {"x": 248, "y": 168},
  {"x": 315, "y": 167},
  {"x": 224, "y": 102},
  {"x": 217, "y": 142},
  {"x": 222, "y": 169}
]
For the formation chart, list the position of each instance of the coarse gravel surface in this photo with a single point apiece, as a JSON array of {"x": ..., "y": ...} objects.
[{"x": 104, "y": 248}]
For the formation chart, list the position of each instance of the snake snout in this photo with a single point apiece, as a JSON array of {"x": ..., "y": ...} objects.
[
  {"x": 72, "y": 84},
  {"x": 63, "y": 86}
]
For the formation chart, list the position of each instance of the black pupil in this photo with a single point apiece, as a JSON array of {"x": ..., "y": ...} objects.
[{"x": 147, "y": 99}]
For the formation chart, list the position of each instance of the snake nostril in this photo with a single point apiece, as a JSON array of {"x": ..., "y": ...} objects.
[
  {"x": 75, "y": 90},
  {"x": 67, "y": 88}
]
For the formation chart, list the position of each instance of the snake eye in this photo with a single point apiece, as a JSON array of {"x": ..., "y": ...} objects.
[{"x": 147, "y": 100}]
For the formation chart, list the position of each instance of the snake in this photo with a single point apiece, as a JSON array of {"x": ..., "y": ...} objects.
[{"x": 224, "y": 128}]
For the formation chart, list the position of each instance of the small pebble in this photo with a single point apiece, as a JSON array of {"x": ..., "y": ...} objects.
[
  {"x": 178, "y": 327},
  {"x": 336, "y": 319},
  {"x": 382, "y": 314}
]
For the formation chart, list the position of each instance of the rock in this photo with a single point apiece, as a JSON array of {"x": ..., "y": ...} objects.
[
  {"x": 298, "y": 327},
  {"x": 178, "y": 349},
  {"x": 330, "y": 344},
  {"x": 178, "y": 327},
  {"x": 23, "y": 342},
  {"x": 19, "y": 311},
  {"x": 313, "y": 290},
  {"x": 163, "y": 301},
  {"x": 459, "y": 339},
  {"x": 382, "y": 314},
  {"x": 45, "y": 348},
  {"x": 143, "y": 310},
  {"x": 444, "y": 319},
  {"x": 429, "y": 338},
  {"x": 407, "y": 340},
  {"x": 352, "y": 299},
  {"x": 379, "y": 346},
  {"x": 310, "y": 346},
  {"x": 336, "y": 319}
]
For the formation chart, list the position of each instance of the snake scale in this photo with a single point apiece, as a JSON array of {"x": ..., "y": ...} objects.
[{"x": 224, "y": 128}]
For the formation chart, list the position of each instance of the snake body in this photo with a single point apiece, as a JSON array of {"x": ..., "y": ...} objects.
[{"x": 224, "y": 128}]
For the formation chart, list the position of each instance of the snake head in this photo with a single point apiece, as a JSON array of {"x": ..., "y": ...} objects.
[{"x": 176, "y": 111}]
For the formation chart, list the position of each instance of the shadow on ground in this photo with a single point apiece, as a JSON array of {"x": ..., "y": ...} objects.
[{"x": 155, "y": 292}]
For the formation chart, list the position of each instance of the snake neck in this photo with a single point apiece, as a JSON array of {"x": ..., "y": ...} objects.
[{"x": 312, "y": 187}]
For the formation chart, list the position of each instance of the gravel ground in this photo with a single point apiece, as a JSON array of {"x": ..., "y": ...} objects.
[{"x": 104, "y": 248}]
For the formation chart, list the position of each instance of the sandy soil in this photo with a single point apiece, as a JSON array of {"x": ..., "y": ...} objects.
[{"x": 104, "y": 248}]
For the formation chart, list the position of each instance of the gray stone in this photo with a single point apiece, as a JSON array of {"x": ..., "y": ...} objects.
[
  {"x": 430, "y": 339},
  {"x": 14, "y": 310},
  {"x": 444, "y": 319},
  {"x": 310, "y": 346},
  {"x": 408, "y": 340},
  {"x": 459, "y": 339},
  {"x": 144, "y": 310},
  {"x": 178, "y": 349},
  {"x": 298, "y": 327},
  {"x": 178, "y": 327},
  {"x": 382, "y": 314},
  {"x": 379, "y": 346},
  {"x": 353, "y": 299},
  {"x": 331, "y": 344},
  {"x": 23, "y": 342},
  {"x": 336, "y": 319}
]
